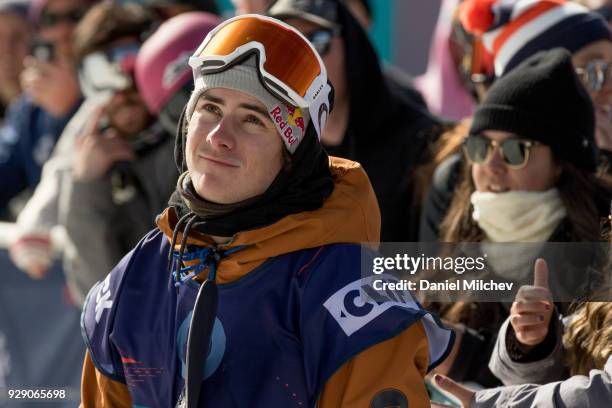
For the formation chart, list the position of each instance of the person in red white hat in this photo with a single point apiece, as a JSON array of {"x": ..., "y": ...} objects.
[{"x": 513, "y": 31}]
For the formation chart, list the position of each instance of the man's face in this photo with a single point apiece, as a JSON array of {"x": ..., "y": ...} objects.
[
  {"x": 128, "y": 113},
  {"x": 14, "y": 39},
  {"x": 333, "y": 58},
  {"x": 58, "y": 21},
  {"x": 233, "y": 149}
]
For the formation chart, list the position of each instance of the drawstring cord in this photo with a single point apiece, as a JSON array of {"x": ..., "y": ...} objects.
[
  {"x": 205, "y": 306},
  {"x": 209, "y": 258},
  {"x": 175, "y": 233}
]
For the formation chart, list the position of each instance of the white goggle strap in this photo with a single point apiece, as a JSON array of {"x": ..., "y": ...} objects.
[{"x": 319, "y": 110}]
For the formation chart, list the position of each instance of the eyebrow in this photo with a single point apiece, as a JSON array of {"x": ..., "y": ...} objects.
[{"x": 248, "y": 106}]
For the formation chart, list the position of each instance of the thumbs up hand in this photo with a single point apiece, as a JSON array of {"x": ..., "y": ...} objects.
[{"x": 532, "y": 309}]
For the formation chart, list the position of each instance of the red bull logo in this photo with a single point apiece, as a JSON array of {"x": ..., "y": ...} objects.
[
  {"x": 286, "y": 126},
  {"x": 295, "y": 118}
]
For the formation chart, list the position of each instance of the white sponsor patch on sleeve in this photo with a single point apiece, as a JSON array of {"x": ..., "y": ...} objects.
[
  {"x": 103, "y": 298},
  {"x": 358, "y": 303}
]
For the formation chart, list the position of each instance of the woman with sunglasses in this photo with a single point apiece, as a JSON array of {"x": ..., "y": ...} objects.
[
  {"x": 530, "y": 177},
  {"x": 510, "y": 32}
]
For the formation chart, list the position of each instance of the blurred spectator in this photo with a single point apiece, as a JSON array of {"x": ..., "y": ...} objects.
[
  {"x": 524, "y": 183},
  {"x": 105, "y": 55},
  {"x": 394, "y": 75},
  {"x": 551, "y": 23},
  {"x": 360, "y": 8},
  {"x": 590, "y": 391},
  {"x": 163, "y": 76},
  {"x": 603, "y": 7},
  {"x": 554, "y": 24},
  {"x": 442, "y": 85},
  {"x": 35, "y": 121},
  {"x": 118, "y": 182},
  {"x": 15, "y": 34},
  {"x": 362, "y": 11},
  {"x": 251, "y": 6},
  {"x": 103, "y": 226},
  {"x": 373, "y": 122},
  {"x": 169, "y": 8}
]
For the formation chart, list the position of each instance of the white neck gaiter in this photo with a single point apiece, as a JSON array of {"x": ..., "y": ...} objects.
[{"x": 518, "y": 216}]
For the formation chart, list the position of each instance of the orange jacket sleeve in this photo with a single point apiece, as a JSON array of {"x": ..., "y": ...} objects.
[
  {"x": 99, "y": 391},
  {"x": 389, "y": 371}
]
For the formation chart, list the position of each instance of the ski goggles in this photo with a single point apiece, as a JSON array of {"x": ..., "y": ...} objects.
[
  {"x": 514, "y": 152},
  {"x": 473, "y": 61},
  {"x": 108, "y": 71},
  {"x": 289, "y": 65}
]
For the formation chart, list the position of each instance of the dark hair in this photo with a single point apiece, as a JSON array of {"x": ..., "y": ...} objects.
[
  {"x": 583, "y": 194},
  {"x": 107, "y": 22},
  {"x": 586, "y": 197}
]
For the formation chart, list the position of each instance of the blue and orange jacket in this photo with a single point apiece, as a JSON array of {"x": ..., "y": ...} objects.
[{"x": 291, "y": 329}]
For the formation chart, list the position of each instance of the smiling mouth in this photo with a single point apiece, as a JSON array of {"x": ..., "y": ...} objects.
[
  {"x": 219, "y": 162},
  {"x": 496, "y": 188}
]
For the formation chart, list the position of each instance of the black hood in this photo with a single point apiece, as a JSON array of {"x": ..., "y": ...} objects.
[{"x": 376, "y": 104}]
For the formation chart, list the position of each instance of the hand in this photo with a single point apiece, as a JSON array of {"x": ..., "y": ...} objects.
[
  {"x": 95, "y": 153},
  {"x": 32, "y": 253},
  {"x": 532, "y": 309},
  {"x": 53, "y": 85},
  {"x": 462, "y": 393}
]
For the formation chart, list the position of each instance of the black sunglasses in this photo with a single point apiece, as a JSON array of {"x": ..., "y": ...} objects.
[
  {"x": 321, "y": 40},
  {"x": 515, "y": 152},
  {"x": 48, "y": 19}
]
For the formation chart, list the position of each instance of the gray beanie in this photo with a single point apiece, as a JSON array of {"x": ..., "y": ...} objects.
[{"x": 290, "y": 121}]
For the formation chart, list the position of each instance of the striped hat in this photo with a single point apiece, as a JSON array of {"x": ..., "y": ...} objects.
[{"x": 513, "y": 30}]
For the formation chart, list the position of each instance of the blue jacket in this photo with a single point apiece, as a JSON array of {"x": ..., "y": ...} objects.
[
  {"x": 280, "y": 332},
  {"x": 27, "y": 138},
  {"x": 291, "y": 329}
]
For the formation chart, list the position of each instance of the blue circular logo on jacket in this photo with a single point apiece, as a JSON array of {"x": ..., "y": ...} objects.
[{"x": 216, "y": 348}]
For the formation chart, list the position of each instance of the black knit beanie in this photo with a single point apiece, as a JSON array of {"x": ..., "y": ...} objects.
[{"x": 542, "y": 99}]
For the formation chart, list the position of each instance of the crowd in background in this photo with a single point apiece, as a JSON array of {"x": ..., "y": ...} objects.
[{"x": 507, "y": 138}]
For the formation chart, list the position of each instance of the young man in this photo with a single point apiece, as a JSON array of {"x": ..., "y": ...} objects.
[{"x": 260, "y": 305}]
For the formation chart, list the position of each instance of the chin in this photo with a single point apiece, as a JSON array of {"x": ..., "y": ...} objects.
[{"x": 211, "y": 189}]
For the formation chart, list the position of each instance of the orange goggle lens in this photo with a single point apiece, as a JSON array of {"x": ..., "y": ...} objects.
[{"x": 288, "y": 58}]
